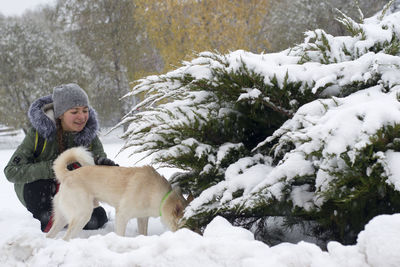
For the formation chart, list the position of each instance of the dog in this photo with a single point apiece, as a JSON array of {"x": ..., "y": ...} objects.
[{"x": 134, "y": 192}]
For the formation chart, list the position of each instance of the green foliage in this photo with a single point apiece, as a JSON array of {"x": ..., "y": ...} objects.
[
  {"x": 361, "y": 191},
  {"x": 356, "y": 86},
  {"x": 224, "y": 119},
  {"x": 393, "y": 47},
  {"x": 229, "y": 119},
  {"x": 354, "y": 28},
  {"x": 386, "y": 8}
]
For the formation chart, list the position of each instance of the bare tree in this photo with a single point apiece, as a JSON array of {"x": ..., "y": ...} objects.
[{"x": 106, "y": 31}]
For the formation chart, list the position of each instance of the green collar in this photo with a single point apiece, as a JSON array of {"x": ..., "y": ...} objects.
[{"x": 163, "y": 200}]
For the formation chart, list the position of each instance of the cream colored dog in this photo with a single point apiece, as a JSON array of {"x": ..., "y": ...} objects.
[{"x": 137, "y": 192}]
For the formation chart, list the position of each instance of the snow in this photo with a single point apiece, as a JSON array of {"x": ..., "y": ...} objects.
[
  {"x": 328, "y": 126},
  {"x": 23, "y": 244},
  {"x": 378, "y": 243},
  {"x": 393, "y": 158},
  {"x": 334, "y": 126}
]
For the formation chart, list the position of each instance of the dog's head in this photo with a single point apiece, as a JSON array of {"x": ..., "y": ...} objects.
[{"x": 173, "y": 209}]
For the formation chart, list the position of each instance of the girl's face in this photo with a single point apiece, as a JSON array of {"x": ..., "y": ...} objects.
[{"x": 74, "y": 119}]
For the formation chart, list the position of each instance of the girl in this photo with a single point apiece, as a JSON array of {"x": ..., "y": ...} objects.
[{"x": 59, "y": 121}]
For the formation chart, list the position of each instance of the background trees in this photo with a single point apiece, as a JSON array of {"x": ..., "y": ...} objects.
[
  {"x": 179, "y": 28},
  {"x": 297, "y": 16},
  {"x": 106, "y": 31},
  {"x": 129, "y": 39},
  {"x": 34, "y": 59}
]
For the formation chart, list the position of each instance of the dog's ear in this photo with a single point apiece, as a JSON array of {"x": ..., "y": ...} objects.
[
  {"x": 178, "y": 210},
  {"x": 189, "y": 198},
  {"x": 177, "y": 189}
]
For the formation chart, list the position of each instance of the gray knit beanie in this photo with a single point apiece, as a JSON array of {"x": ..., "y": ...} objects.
[{"x": 67, "y": 96}]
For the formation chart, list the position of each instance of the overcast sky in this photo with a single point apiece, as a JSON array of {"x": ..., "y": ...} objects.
[{"x": 17, "y": 7}]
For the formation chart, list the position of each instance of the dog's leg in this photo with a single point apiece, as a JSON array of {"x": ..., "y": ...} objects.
[
  {"x": 143, "y": 225},
  {"x": 58, "y": 225},
  {"x": 59, "y": 219},
  {"x": 121, "y": 220},
  {"x": 75, "y": 226},
  {"x": 78, "y": 209}
]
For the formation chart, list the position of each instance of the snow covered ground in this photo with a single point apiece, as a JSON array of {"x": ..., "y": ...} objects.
[{"x": 23, "y": 244}]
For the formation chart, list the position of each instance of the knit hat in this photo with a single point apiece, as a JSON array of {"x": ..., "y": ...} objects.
[{"x": 67, "y": 96}]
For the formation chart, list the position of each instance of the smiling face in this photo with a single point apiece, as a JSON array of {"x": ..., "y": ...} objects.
[{"x": 74, "y": 119}]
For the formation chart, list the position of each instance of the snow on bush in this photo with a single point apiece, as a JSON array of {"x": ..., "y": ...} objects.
[{"x": 294, "y": 134}]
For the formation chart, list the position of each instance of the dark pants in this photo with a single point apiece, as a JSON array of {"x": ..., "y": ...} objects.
[{"x": 38, "y": 197}]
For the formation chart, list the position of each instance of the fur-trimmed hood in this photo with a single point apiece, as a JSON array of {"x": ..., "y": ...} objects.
[{"x": 41, "y": 116}]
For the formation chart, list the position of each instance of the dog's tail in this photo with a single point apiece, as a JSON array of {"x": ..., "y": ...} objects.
[{"x": 76, "y": 154}]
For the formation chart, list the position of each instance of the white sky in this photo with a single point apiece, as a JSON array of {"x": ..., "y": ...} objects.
[{"x": 17, "y": 7}]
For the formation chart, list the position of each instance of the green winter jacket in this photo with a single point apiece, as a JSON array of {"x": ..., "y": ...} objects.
[{"x": 24, "y": 167}]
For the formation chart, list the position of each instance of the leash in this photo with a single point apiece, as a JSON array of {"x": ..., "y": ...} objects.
[{"x": 163, "y": 200}]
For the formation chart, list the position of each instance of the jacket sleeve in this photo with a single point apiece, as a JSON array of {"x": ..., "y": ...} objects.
[
  {"x": 97, "y": 148},
  {"x": 22, "y": 167}
]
